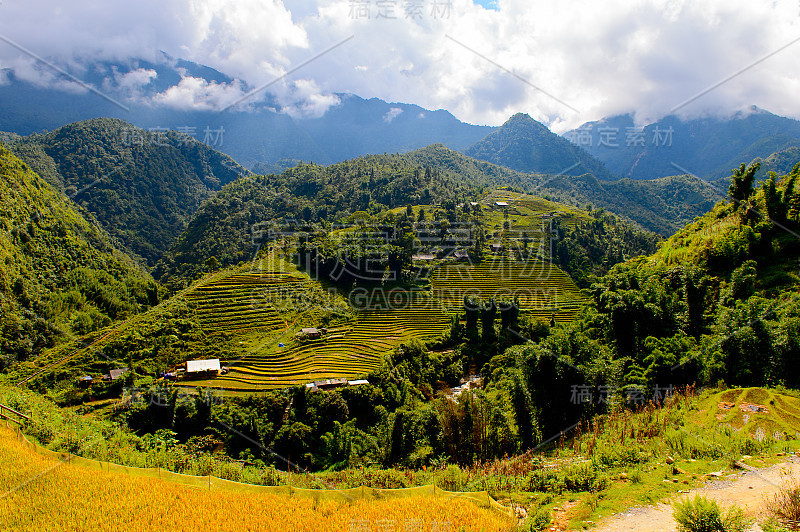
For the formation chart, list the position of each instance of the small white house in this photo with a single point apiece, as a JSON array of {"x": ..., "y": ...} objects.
[{"x": 203, "y": 366}]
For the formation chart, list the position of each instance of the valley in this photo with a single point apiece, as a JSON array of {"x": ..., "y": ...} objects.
[{"x": 237, "y": 295}]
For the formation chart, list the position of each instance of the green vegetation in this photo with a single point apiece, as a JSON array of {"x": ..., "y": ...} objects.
[
  {"x": 615, "y": 461},
  {"x": 232, "y": 226},
  {"x": 60, "y": 275},
  {"x": 142, "y": 187},
  {"x": 704, "y": 515},
  {"x": 243, "y": 314},
  {"x": 489, "y": 324},
  {"x": 266, "y": 206}
]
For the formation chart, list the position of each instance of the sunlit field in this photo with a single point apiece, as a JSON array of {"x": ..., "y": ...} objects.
[{"x": 40, "y": 493}]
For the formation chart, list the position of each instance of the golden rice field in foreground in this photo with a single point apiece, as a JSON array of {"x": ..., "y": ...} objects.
[{"x": 40, "y": 493}]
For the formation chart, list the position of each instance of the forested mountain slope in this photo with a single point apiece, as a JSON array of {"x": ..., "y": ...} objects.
[
  {"x": 142, "y": 186},
  {"x": 60, "y": 275},
  {"x": 525, "y": 145}
]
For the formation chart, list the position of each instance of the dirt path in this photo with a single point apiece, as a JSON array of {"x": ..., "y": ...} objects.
[{"x": 746, "y": 490}]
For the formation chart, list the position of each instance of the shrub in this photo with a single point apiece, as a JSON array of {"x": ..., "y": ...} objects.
[
  {"x": 454, "y": 479},
  {"x": 537, "y": 521},
  {"x": 785, "y": 505},
  {"x": 544, "y": 480},
  {"x": 704, "y": 515},
  {"x": 584, "y": 477}
]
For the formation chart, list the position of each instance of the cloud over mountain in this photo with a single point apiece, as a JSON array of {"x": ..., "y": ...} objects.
[{"x": 564, "y": 64}]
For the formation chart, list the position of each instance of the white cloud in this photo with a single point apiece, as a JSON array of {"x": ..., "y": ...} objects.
[
  {"x": 135, "y": 79},
  {"x": 304, "y": 99},
  {"x": 199, "y": 95},
  {"x": 26, "y": 69},
  {"x": 391, "y": 114},
  {"x": 600, "y": 58}
]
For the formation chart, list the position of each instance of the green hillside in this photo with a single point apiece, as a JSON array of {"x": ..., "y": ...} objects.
[
  {"x": 660, "y": 205},
  {"x": 243, "y": 313},
  {"x": 142, "y": 186},
  {"x": 231, "y": 227},
  {"x": 60, "y": 276}
]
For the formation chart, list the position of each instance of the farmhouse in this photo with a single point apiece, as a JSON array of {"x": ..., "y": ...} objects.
[
  {"x": 114, "y": 374},
  {"x": 198, "y": 367},
  {"x": 501, "y": 204},
  {"x": 496, "y": 248},
  {"x": 328, "y": 384},
  {"x": 310, "y": 332},
  {"x": 474, "y": 381}
]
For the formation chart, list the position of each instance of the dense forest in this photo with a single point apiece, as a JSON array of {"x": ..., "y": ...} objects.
[
  {"x": 233, "y": 225},
  {"x": 61, "y": 276},
  {"x": 142, "y": 186}
]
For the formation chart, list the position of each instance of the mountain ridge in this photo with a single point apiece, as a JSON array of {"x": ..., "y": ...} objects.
[
  {"x": 525, "y": 145},
  {"x": 61, "y": 275}
]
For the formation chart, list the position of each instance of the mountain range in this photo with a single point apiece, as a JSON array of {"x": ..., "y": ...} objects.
[
  {"x": 266, "y": 133},
  {"x": 267, "y": 136},
  {"x": 142, "y": 187},
  {"x": 706, "y": 147}
]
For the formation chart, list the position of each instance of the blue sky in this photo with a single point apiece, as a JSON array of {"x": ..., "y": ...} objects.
[{"x": 488, "y": 4}]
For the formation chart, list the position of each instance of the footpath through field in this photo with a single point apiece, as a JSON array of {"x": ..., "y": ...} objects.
[{"x": 746, "y": 490}]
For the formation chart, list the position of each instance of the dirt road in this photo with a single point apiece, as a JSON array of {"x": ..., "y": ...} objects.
[{"x": 746, "y": 490}]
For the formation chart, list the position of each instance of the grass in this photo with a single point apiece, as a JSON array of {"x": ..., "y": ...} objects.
[
  {"x": 784, "y": 506},
  {"x": 704, "y": 515}
]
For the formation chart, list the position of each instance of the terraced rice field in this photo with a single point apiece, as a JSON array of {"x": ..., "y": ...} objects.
[
  {"x": 346, "y": 351},
  {"x": 539, "y": 286},
  {"x": 243, "y": 302}
]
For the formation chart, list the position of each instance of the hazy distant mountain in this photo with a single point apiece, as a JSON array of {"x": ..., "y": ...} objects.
[
  {"x": 525, "y": 145},
  {"x": 706, "y": 147},
  {"x": 263, "y": 134}
]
